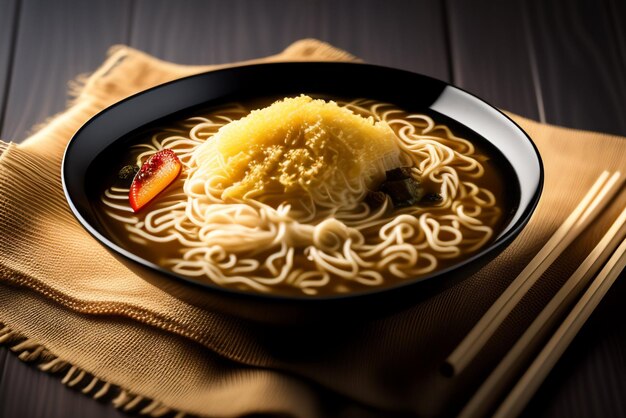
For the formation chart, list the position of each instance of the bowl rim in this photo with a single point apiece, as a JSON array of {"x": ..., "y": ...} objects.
[{"x": 500, "y": 241}]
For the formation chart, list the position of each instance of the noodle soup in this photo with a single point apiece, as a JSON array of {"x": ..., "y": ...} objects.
[{"x": 309, "y": 196}]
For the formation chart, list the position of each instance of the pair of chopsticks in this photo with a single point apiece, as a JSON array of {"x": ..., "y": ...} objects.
[
  {"x": 600, "y": 194},
  {"x": 547, "y": 358}
]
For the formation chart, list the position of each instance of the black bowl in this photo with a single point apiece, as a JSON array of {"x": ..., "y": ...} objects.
[{"x": 413, "y": 92}]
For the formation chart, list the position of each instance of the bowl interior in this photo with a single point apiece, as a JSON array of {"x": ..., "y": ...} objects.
[{"x": 116, "y": 126}]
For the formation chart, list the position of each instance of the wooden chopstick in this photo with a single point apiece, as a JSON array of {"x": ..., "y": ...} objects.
[
  {"x": 510, "y": 366},
  {"x": 590, "y": 206},
  {"x": 539, "y": 369}
]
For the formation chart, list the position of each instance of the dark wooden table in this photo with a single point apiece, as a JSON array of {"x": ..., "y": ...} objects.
[{"x": 557, "y": 62}]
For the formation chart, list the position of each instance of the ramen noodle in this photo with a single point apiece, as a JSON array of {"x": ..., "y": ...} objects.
[{"x": 311, "y": 197}]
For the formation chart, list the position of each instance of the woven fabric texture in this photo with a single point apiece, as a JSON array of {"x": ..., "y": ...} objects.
[{"x": 69, "y": 305}]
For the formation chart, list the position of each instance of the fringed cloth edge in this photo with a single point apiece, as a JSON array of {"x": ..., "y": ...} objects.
[{"x": 30, "y": 351}]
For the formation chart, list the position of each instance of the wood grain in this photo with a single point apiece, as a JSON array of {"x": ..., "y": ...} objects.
[
  {"x": 8, "y": 23},
  {"x": 401, "y": 33},
  {"x": 27, "y": 392},
  {"x": 590, "y": 379},
  {"x": 490, "y": 54},
  {"x": 581, "y": 62},
  {"x": 9, "y": 15},
  {"x": 564, "y": 62},
  {"x": 581, "y": 67},
  {"x": 56, "y": 41}
]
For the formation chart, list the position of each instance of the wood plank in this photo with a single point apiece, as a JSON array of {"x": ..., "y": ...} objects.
[
  {"x": 25, "y": 391},
  {"x": 59, "y": 40},
  {"x": 490, "y": 56},
  {"x": 205, "y": 32},
  {"x": 563, "y": 65},
  {"x": 4, "y": 353},
  {"x": 581, "y": 62},
  {"x": 8, "y": 26},
  {"x": 400, "y": 33},
  {"x": 55, "y": 42},
  {"x": 590, "y": 379}
]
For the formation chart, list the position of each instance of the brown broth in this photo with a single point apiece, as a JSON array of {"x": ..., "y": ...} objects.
[{"x": 496, "y": 171}]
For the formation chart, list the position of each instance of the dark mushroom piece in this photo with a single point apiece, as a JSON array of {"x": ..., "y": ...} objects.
[{"x": 403, "y": 189}]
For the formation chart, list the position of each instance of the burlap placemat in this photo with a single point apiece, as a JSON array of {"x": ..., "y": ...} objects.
[{"x": 68, "y": 306}]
